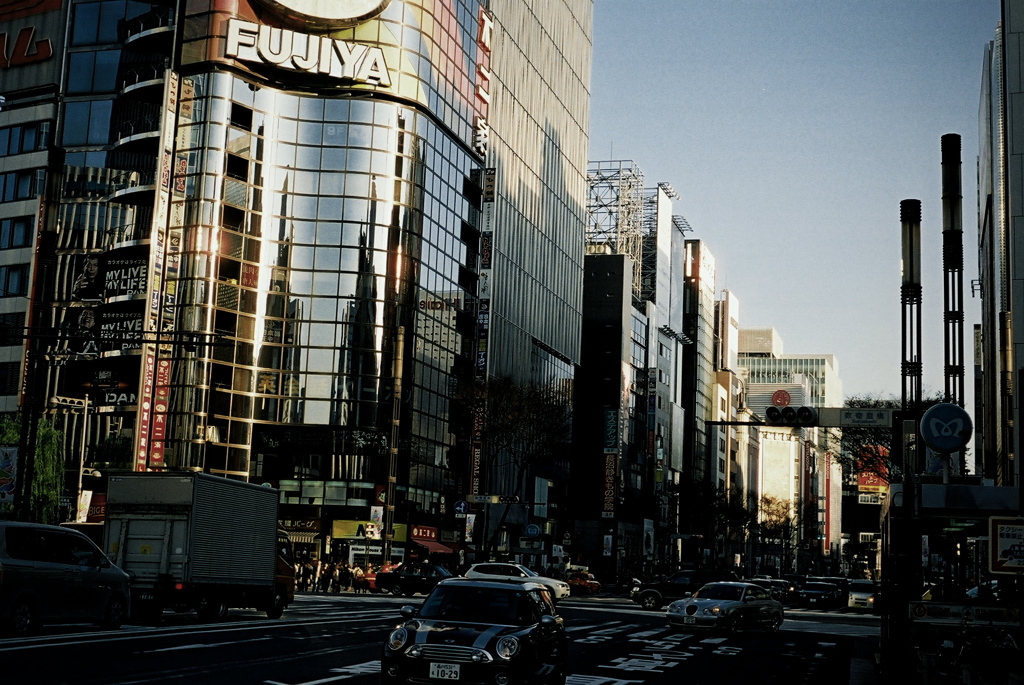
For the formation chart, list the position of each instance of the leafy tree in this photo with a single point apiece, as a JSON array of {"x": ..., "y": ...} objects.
[
  {"x": 48, "y": 479},
  {"x": 777, "y": 526}
]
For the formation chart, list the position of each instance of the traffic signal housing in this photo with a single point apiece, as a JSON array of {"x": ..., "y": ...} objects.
[{"x": 791, "y": 416}]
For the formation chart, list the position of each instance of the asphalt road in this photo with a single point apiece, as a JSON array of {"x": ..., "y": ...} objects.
[{"x": 329, "y": 639}]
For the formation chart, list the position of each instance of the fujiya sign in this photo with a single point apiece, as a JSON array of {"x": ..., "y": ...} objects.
[{"x": 251, "y": 42}]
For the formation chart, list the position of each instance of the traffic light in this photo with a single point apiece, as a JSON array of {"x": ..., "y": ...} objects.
[{"x": 790, "y": 416}]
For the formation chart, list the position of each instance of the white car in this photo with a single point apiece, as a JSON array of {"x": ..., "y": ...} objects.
[{"x": 494, "y": 569}]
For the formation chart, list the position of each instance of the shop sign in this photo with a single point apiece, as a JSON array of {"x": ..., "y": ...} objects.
[
  {"x": 251, "y": 42},
  {"x": 423, "y": 533}
]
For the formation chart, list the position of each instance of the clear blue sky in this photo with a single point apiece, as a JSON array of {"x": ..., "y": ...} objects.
[{"x": 792, "y": 129}]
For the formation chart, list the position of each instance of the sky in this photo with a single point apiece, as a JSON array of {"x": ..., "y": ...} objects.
[{"x": 792, "y": 130}]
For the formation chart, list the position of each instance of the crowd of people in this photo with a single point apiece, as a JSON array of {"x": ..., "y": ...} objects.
[{"x": 314, "y": 575}]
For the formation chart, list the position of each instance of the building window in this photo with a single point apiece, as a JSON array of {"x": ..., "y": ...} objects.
[
  {"x": 14, "y": 232},
  {"x": 13, "y": 280},
  {"x": 12, "y": 328},
  {"x": 15, "y": 140},
  {"x": 10, "y": 377},
  {"x": 17, "y": 185},
  {"x": 87, "y": 123}
]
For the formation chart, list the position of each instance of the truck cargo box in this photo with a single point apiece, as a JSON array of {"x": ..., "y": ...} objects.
[{"x": 193, "y": 528}]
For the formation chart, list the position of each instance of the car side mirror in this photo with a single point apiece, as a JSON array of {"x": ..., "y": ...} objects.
[
  {"x": 408, "y": 611},
  {"x": 548, "y": 621},
  {"x": 687, "y": 594}
]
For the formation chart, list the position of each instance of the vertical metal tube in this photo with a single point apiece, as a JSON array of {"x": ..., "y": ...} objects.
[{"x": 910, "y": 295}]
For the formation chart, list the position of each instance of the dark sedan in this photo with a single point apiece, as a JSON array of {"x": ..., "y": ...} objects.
[
  {"x": 818, "y": 596},
  {"x": 479, "y": 631}
]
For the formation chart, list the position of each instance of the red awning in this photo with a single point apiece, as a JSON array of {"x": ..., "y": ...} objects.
[{"x": 434, "y": 546}]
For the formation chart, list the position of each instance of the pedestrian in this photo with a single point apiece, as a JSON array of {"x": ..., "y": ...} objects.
[
  {"x": 346, "y": 578},
  {"x": 358, "y": 583},
  {"x": 326, "y": 575}
]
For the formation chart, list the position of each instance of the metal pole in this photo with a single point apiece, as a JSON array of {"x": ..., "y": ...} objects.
[{"x": 81, "y": 457}]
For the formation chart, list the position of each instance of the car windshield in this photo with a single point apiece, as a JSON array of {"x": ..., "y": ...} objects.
[
  {"x": 862, "y": 586},
  {"x": 480, "y": 605},
  {"x": 728, "y": 592},
  {"x": 819, "y": 587},
  {"x": 528, "y": 571}
]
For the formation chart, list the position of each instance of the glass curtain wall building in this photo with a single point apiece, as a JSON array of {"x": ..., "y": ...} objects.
[{"x": 281, "y": 250}]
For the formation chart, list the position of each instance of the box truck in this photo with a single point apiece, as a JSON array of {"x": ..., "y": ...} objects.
[{"x": 198, "y": 541}]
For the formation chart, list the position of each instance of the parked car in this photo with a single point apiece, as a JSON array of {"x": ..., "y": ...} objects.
[
  {"x": 729, "y": 607},
  {"x": 583, "y": 583},
  {"x": 655, "y": 594},
  {"x": 862, "y": 594},
  {"x": 818, "y": 595},
  {"x": 491, "y": 570},
  {"x": 50, "y": 574},
  {"x": 479, "y": 631},
  {"x": 411, "y": 578},
  {"x": 778, "y": 589}
]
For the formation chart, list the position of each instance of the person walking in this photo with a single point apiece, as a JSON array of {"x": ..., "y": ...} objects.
[
  {"x": 346, "y": 578},
  {"x": 358, "y": 583}
]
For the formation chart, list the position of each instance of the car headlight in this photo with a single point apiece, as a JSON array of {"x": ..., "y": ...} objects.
[
  {"x": 397, "y": 639},
  {"x": 713, "y": 611},
  {"x": 507, "y": 647},
  {"x": 675, "y": 608}
]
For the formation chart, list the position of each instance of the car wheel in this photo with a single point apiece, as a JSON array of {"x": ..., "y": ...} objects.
[
  {"x": 212, "y": 608},
  {"x": 277, "y": 604},
  {"x": 732, "y": 626},
  {"x": 650, "y": 602},
  {"x": 23, "y": 618},
  {"x": 775, "y": 623},
  {"x": 113, "y": 615},
  {"x": 396, "y": 590}
]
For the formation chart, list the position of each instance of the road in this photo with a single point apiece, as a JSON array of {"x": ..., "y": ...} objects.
[{"x": 333, "y": 639}]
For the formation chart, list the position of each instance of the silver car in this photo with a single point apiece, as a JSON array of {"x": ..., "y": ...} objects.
[
  {"x": 862, "y": 594},
  {"x": 493, "y": 569},
  {"x": 728, "y": 607},
  {"x": 50, "y": 574}
]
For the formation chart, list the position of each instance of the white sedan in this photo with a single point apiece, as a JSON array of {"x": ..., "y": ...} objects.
[{"x": 508, "y": 571}]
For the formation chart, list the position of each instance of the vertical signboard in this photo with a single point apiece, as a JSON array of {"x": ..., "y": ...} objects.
[{"x": 149, "y": 452}]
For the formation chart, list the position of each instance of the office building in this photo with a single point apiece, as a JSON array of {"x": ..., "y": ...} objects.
[{"x": 279, "y": 254}]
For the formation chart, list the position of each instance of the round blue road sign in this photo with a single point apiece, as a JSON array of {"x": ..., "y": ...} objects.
[{"x": 946, "y": 428}]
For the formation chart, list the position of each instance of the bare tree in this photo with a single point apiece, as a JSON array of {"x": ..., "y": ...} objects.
[{"x": 525, "y": 427}]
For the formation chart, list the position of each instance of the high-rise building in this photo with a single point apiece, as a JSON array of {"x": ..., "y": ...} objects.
[
  {"x": 797, "y": 461},
  {"x": 272, "y": 240},
  {"x": 1000, "y": 191}
]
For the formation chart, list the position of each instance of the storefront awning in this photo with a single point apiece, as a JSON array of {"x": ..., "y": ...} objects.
[
  {"x": 302, "y": 536},
  {"x": 436, "y": 547}
]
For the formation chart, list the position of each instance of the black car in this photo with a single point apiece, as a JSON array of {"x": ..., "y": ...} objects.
[
  {"x": 656, "y": 594},
  {"x": 410, "y": 578},
  {"x": 818, "y": 595},
  {"x": 479, "y": 631}
]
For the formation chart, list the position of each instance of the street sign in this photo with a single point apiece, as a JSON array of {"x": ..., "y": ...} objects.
[
  {"x": 946, "y": 428},
  {"x": 854, "y": 417},
  {"x": 532, "y": 530},
  {"x": 1006, "y": 545},
  {"x": 461, "y": 509},
  {"x": 482, "y": 499}
]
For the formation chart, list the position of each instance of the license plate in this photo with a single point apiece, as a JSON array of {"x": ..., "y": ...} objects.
[
  {"x": 145, "y": 595},
  {"x": 689, "y": 619},
  {"x": 813, "y": 601},
  {"x": 444, "y": 671}
]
